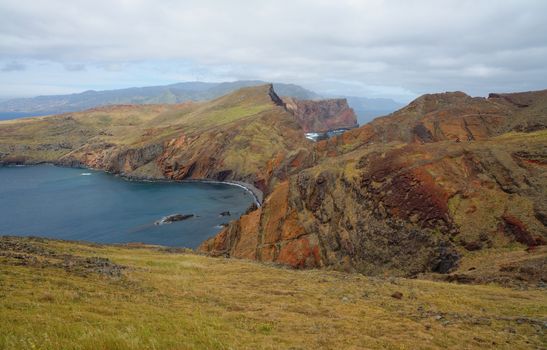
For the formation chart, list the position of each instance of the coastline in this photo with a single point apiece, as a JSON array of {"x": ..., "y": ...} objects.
[{"x": 257, "y": 194}]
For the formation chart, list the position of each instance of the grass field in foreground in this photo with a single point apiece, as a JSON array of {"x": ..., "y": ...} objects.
[{"x": 62, "y": 295}]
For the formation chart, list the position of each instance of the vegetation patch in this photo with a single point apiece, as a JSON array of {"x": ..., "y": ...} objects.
[{"x": 32, "y": 252}]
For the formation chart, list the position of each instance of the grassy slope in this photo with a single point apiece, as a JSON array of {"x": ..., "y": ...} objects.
[
  {"x": 116, "y": 124},
  {"x": 239, "y": 133},
  {"x": 127, "y": 125},
  {"x": 185, "y": 301}
]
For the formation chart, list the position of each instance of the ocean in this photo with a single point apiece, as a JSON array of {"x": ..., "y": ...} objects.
[{"x": 87, "y": 205}]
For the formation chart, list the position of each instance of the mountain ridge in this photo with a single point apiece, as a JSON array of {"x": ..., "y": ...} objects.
[
  {"x": 241, "y": 136},
  {"x": 415, "y": 192},
  {"x": 173, "y": 93}
]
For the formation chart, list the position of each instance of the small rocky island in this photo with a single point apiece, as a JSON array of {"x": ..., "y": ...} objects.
[{"x": 173, "y": 218}]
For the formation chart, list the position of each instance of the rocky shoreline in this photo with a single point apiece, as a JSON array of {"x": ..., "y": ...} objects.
[{"x": 257, "y": 194}]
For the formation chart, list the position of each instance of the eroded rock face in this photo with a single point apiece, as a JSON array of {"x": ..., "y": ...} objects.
[
  {"x": 112, "y": 158},
  {"x": 247, "y": 136},
  {"x": 329, "y": 220},
  {"x": 405, "y": 194},
  {"x": 415, "y": 204},
  {"x": 322, "y": 115},
  {"x": 390, "y": 213},
  {"x": 451, "y": 116}
]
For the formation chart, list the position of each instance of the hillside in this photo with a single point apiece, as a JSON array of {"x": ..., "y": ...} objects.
[
  {"x": 243, "y": 136},
  {"x": 365, "y": 108},
  {"x": 420, "y": 191},
  {"x": 60, "y": 295},
  {"x": 233, "y": 137},
  {"x": 166, "y": 94}
]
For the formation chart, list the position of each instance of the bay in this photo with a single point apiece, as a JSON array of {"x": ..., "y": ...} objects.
[{"x": 81, "y": 204}]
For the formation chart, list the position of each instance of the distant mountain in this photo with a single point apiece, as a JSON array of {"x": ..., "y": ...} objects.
[
  {"x": 16, "y": 115},
  {"x": 174, "y": 93},
  {"x": 365, "y": 108}
]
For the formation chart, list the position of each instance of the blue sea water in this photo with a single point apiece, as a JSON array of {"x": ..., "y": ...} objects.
[{"x": 81, "y": 204}]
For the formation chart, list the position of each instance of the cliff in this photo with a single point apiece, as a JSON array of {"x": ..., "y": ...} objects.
[
  {"x": 421, "y": 190},
  {"x": 248, "y": 135},
  {"x": 446, "y": 182},
  {"x": 241, "y": 136},
  {"x": 323, "y": 115}
]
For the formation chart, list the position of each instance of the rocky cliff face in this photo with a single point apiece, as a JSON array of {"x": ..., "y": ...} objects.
[
  {"x": 418, "y": 191},
  {"x": 391, "y": 197},
  {"x": 323, "y": 115},
  {"x": 456, "y": 116},
  {"x": 248, "y": 135}
]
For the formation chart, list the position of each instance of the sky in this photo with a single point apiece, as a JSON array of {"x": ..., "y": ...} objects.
[{"x": 396, "y": 49}]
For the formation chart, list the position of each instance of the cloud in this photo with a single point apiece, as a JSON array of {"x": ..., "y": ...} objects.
[
  {"x": 13, "y": 67},
  {"x": 113, "y": 66},
  {"x": 74, "y": 67},
  {"x": 409, "y": 47}
]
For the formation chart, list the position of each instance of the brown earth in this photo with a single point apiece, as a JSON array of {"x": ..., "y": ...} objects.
[
  {"x": 321, "y": 116},
  {"x": 412, "y": 192}
]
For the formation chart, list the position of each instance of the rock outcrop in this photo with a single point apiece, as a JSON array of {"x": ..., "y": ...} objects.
[
  {"x": 322, "y": 115},
  {"x": 409, "y": 193},
  {"x": 169, "y": 219}
]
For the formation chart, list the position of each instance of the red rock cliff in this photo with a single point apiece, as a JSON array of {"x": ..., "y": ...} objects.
[
  {"x": 322, "y": 115},
  {"x": 409, "y": 193}
]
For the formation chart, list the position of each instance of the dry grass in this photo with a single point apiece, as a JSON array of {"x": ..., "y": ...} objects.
[{"x": 186, "y": 301}]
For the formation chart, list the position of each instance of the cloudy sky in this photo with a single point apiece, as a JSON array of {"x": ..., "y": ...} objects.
[{"x": 375, "y": 48}]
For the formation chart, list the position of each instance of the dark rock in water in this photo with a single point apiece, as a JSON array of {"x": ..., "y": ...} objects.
[
  {"x": 173, "y": 218},
  {"x": 225, "y": 213}
]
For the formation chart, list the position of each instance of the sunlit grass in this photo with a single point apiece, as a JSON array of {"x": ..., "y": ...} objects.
[{"x": 187, "y": 301}]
